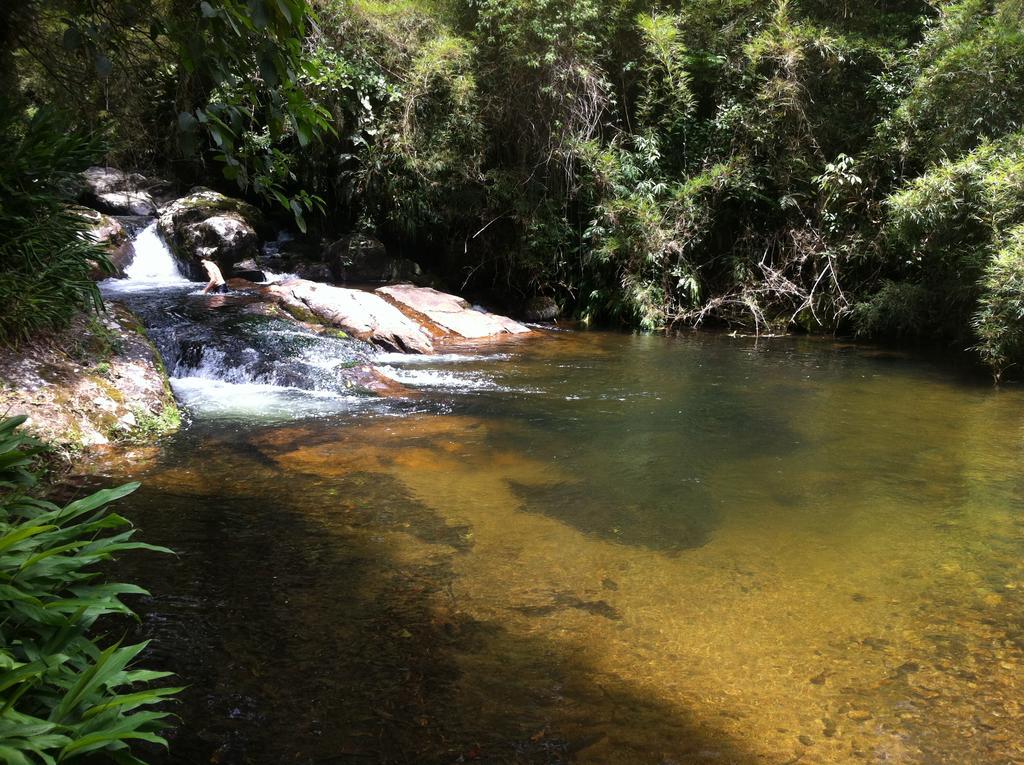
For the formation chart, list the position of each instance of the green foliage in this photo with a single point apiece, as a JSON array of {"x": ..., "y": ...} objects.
[
  {"x": 647, "y": 233},
  {"x": 46, "y": 253},
  {"x": 64, "y": 695},
  {"x": 753, "y": 162},
  {"x": 965, "y": 80},
  {"x": 999, "y": 321},
  {"x": 666, "y": 100},
  {"x": 246, "y": 55},
  {"x": 897, "y": 309},
  {"x": 946, "y": 226},
  {"x": 149, "y": 427},
  {"x": 216, "y": 79}
]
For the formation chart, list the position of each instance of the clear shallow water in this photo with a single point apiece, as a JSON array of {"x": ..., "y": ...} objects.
[{"x": 620, "y": 549}]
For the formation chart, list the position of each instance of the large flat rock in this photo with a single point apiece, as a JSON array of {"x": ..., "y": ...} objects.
[
  {"x": 362, "y": 314},
  {"x": 449, "y": 312}
]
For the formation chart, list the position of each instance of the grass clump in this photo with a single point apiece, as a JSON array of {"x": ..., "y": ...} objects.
[{"x": 149, "y": 427}]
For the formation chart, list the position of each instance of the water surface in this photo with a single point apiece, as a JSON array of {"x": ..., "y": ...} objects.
[{"x": 599, "y": 548}]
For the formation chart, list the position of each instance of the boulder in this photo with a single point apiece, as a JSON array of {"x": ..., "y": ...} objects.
[
  {"x": 252, "y": 276},
  {"x": 450, "y": 313},
  {"x": 206, "y": 225},
  {"x": 363, "y": 315},
  {"x": 311, "y": 270},
  {"x": 248, "y": 270},
  {"x": 361, "y": 259},
  {"x": 541, "y": 309},
  {"x": 115, "y": 239},
  {"x": 119, "y": 193},
  {"x": 98, "y": 381}
]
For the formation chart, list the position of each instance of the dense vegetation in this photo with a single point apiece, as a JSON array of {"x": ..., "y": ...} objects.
[
  {"x": 770, "y": 163},
  {"x": 45, "y": 256},
  {"x": 67, "y": 691}
]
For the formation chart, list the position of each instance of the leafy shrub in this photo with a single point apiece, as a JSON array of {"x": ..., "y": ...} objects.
[
  {"x": 46, "y": 253},
  {"x": 944, "y": 231},
  {"x": 897, "y": 309},
  {"x": 65, "y": 692},
  {"x": 966, "y": 79},
  {"x": 999, "y": 322}
]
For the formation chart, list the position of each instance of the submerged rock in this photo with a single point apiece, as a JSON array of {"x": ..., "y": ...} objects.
[
  {"x": 361, "y": 314},
  {"x": 206, "y": 225},
  {"x": 452, "y": 314}
]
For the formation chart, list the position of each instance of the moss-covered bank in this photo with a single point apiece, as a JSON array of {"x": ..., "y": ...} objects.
[{"x": 98, "y": 383}]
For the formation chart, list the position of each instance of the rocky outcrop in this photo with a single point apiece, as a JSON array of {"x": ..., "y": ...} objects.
[
  {"x": 361, "y": 259},
  {"x": 115, "y": 239},
  {"x": 361, "y": 314},
  {"x": 206, "y": 225},
  {"x": 450, "y": 313},
  {"x": 541, "y": 309},
  {"x": 118, "y": 193},
  {"x": 98, "y": 382}
]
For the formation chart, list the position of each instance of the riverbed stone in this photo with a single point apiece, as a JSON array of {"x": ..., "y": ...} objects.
[
  {"x": 207, "y": 225},
  {"x": 363, "y": 315},
  {"x": 452, "y": 314},
  {"x": 98, "y": 382},
  {"x": 248, "y": 270}
]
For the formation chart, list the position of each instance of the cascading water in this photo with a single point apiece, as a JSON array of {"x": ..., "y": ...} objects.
[
  {"x": 233, "y": 355},
  {"x": 153, "y": 264},
  {"x": 224, "y": 354}
]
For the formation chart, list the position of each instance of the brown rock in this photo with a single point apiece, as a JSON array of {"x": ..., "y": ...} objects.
[
  {"x": 541, "y": 309},
  {"x": 90, "y": 384},
  {"x": 361, "y": 259},
  {"x": 361, "y": 314},
  {"x": 119, "y": 193},
  {"x": 206, "y": 225},
  {"x": 449, "y": 312}
]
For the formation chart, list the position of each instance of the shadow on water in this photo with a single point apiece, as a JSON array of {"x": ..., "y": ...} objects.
[
  {"x": 306, "y": 636},
  {"x": 682, "y": 521},
  {"x": 602, "y": 550}
]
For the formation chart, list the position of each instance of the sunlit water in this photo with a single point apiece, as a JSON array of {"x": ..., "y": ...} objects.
[
  {"x": 599, "y": 548},
  {"x": 575, "y": 547}
]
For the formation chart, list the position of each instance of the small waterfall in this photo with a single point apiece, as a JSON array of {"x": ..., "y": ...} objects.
[
  {"x": 228, "y": 356},
  {"x": 153, "y": 261}
]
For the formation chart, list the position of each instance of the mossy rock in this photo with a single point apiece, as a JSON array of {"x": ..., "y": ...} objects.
[{"x": 207, "y": 225}]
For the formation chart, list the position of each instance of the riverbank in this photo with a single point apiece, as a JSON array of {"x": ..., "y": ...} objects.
[{"x": 98, "y": 384}]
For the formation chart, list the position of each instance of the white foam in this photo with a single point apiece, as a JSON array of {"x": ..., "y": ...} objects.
[
  {"x": 153, "y": 268},
  {"x": 435, "y": 378},
  {"x": 214, "y": 398},
  {"x": 271, "y": 277},
  {"x": 153, "y": 260}
]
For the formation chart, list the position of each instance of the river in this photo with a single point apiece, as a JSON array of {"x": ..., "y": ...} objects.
[{"x": 580, "y": 547}]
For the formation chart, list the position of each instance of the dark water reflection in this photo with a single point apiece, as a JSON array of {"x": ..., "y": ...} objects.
[{"x": 602, "y": 548}]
